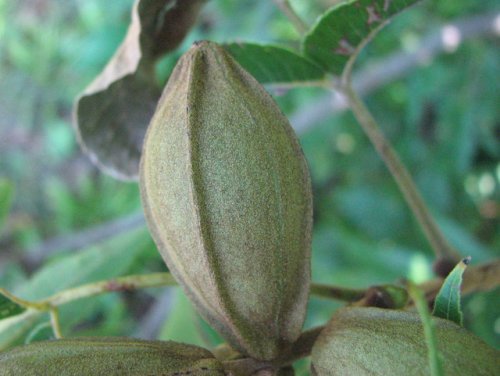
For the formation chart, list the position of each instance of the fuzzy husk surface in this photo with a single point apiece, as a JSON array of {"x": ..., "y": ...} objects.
[
  {"x": 108, "y": 356},
  {"x": 227, "y": 197},
  {"x": 375, "y": 341}
]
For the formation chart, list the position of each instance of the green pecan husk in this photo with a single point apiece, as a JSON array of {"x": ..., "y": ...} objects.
[
  {"x": 227, "y": 196},
  {"x": 376, "y": 341},
  {"x": 108, "y": 356}
]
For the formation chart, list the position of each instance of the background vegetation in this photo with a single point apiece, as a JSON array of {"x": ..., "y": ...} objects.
[{"x": 66, "y": 223}]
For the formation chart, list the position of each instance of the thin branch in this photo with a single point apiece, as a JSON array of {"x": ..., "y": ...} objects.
[
  {"x": 300, "y": 349},
  {"x": 435, "y": 364},
  {"x": 336, "y": 293},
  {"x": 24, "y": 303},
  {"x": 438, "y": 242},
  {"x": 294, "y": 18},
  {"x": 303, "y": 346},
  {"x": 477, "y": 278},
  {"x": 347, "y": 73},
  {"x": 128, "y": 283},
  {"x": 50, "y": 304}
]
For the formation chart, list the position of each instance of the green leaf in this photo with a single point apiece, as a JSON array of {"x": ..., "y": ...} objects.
[
  {"x": 447, "y": 303},
  {"x": 6, "y": 193},
  {"x": 8, "y": 307},
  {"x": 434, "y": 358},
  {"x": 272, "y": 64},
  {"x": 104, "y": 261},
  {"x": 343, "y": 30}
]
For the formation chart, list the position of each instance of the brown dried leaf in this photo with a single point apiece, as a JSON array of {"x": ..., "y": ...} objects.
[{"x": 112, "y": 114}]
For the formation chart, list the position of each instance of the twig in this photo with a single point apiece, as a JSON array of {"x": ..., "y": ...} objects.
[
  {"x": 303, "y": 346},
  {"x": 300, "y": 349},
  {"x": 438, "y": 242},
  {"x": 477, "y": 278},
  {"x": 128, "y": 283},
  {"x": 50, "y": 304},
  {"x": 482, "y": 277},
  {"x": 349, "y": 66},
  {"x": 290, "y": 13},
  {"x": 55, "y": 322},
  {"x": 336, "y": 293},
  {"x": 435, "y": 365}
]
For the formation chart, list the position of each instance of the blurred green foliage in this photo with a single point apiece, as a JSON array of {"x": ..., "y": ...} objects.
[{"x": 442, "y": 117}]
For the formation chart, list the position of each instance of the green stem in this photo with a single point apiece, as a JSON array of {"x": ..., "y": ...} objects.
[
  {"x": 50, "y": 304},
  {"x": 248, "y": 366},
  {"x": 288, "y": 11},
  {"x": 398, "y": 170},
  {"x": 25, "y": 303},
  {"x": 435, "y": 364},
  {"x": 303, "y": 346},
  {"x": 128, "y": 283},
  {"x": 55, "y": 323},
  {"x": 337, "y": 293}
]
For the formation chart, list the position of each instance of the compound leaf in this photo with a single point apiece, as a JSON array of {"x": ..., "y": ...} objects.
[
  {"x": 272, "y": 64},
  {"x": 340, "y": 33}
]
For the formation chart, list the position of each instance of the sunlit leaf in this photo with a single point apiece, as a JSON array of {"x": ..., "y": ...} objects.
[
  {"x": 273, "y": 64},
  {"x": 341, "y": 31},
  {"x": 113, "y": 112},
  {"x": 447, "y": 303}
]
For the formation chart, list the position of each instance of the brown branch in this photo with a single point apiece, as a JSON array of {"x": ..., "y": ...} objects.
[
  {"x": 303, "y": 346},
  {"x": 288, "y": 11},
  {"x": 439, "y": 244}
]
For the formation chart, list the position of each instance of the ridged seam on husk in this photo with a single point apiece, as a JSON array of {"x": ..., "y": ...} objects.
[
  {"x": 152, "y": 221},
  {"x": 237, "y": 77},
  {"x": 223, "y": 296},
  {"x": 232, "y": 315}
]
